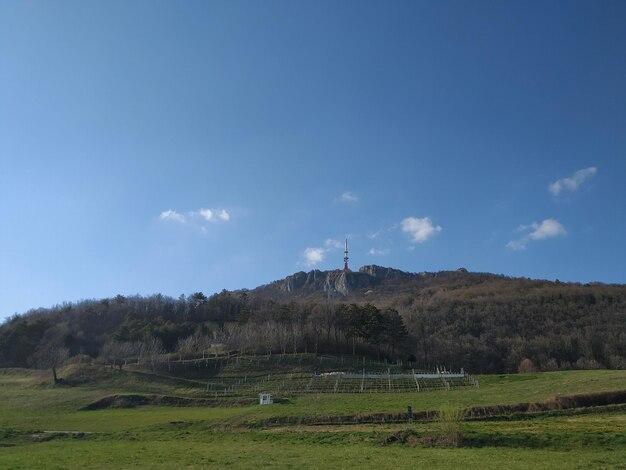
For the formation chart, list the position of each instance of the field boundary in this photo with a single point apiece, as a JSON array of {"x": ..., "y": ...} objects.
[{"x": 560, "y": 404}]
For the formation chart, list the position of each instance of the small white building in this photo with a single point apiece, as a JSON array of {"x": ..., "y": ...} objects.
[{"x": 265, "y": 398}]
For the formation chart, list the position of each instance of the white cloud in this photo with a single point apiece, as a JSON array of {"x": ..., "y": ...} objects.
[
  {"x": 348, "y": 196},
  {"x": 206, "y": 214},
  {"x": 172, "y": 215},
  {"x": 536, "y": 231},
  {"x": 547, "y": 228},
  {"x": 517, "y": 245},
  {"x": 211, "y": 215},
  {"x": 572, "y": 183},
  {"x": 419, "y": 229},
  {"x": 313, "y": 256},
  {"x": 196, "y": 217},
  {"x": 378, "y": 252},
  {"x": 333, "y": 244}
]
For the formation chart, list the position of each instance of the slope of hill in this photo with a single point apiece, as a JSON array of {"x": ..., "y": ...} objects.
[{"x": 480, "y": 321}]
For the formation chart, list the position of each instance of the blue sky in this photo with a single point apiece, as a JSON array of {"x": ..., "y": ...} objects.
[{"x": 177, "y": 147}]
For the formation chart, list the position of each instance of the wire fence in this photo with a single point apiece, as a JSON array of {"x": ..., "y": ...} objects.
[{"x": 292, "y": 374}]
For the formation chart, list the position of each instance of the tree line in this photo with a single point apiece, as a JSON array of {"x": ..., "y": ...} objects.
[
  {"x": 144, "y": 327},
  {"x": 489, "y": 326}
]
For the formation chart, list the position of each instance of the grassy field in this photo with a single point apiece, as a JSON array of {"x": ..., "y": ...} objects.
[{"x": 225, "y": 436}]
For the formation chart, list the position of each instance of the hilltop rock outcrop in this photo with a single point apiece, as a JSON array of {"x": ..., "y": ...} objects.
[{"x": 336, "y": 283}]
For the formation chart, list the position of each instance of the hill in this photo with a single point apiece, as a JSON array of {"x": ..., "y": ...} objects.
[{"x": 480, "y": 321}]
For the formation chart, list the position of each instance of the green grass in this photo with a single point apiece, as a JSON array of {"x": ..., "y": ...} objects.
[
  {"x": 286, "y": 450},
  {"x": 216, "y": 437},
  {"x": 27, "y": 401}
]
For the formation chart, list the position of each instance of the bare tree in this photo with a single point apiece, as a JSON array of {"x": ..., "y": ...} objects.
[
  {"x": 151, "y": 351},
  {"x": 269, "y": 334},
  {"x": 116, "y": 352},
  {"x": 192, "y": 345},
  {"x": 316, "y": 321},
  {"x": 234, "y": 336},
  {"x": 301, "y": 314},
  {"x": 52, "y": 355},
  {"x": 282, "y": 333}
]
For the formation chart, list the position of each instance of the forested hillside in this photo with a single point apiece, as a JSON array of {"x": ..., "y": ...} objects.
[{"x": 482, "y": 322}]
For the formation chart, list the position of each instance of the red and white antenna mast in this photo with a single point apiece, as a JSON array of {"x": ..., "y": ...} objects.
[{"x": 346, "y": 269}]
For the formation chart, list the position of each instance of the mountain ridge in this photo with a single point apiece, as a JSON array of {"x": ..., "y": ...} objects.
[{"x": 369, "y": 282}]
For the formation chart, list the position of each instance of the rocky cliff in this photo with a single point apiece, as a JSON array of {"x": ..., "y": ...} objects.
[
  {"x": 332, "y": 284},
  {"x": 367, "y": 284}
]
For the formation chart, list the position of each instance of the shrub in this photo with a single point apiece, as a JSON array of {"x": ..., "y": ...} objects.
[
  {"x": 449, "y": 419},
  {"x": 526, "y": 366},
  {"x": 588, "y": 364},
  {"x": 551, "y": 365}
]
